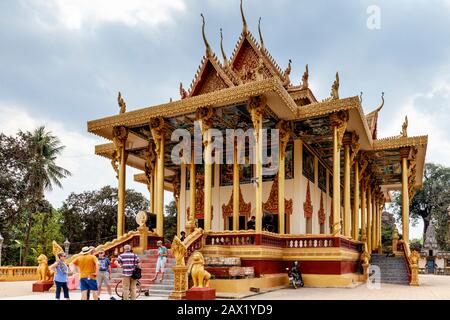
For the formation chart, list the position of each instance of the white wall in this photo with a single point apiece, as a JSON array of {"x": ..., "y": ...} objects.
[{"x": 295, "y": 189}]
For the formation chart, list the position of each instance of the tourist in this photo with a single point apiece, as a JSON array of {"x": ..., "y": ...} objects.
[
  {"x": 182, "y": 235},
  {"x": 87, "y": 265},
  {"x": 104, "y": 274},
  {"x": 161, "y": 261},
  {"x": 128, "y": 261},
  {"x": 61, "y": 277},
  {"x": 251, "y": 223}
]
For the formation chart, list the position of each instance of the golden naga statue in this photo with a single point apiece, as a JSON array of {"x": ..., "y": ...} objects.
[
  {"x": 365, "y": 257},
  {"x": 414, "y": 257},
  {"x": 199, "y": 275},
  {"x": 44, "y": 273},
  {"x": 178, "y": 249}
]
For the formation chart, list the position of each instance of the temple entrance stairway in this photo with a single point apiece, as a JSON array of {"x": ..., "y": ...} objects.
[
  {"x": 148, "y": 263},
  {"x": 393, "y": 269}
]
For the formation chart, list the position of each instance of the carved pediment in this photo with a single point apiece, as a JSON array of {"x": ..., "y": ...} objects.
[{"x": 199, "y": 205}]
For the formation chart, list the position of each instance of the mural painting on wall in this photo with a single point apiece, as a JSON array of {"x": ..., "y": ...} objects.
[
  {"x": 200, "y": 175},
  {"x": 288, "y": 164},
  {"x": 308, "y": 165},
  {"x": 322, "y": 177}
]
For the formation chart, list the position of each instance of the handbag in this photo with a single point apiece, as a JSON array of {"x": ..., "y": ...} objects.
[{"x": 137, "y": 272}]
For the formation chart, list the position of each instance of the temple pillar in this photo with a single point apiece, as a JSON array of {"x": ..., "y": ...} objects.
[
  {"x": 347, "y": 167},
  {"x": 338, "y": 124},
  {"x": 404, "y": 154},
  {"x": 158, "y": 131},
  {"x": 190, "y": 226},
  {"x": 235, "y": 188},
  {"x": 256, "y": 107},
  {"x": 205, "y": 118},
  {"x": 120, "y": 135},
  {"x": 284, "y": 135},
  {"x": 363, "y": 211},
  {"x": 369, "y": 219},
  {"x": 355, "y": 220},
  {"x": 374, "y": 221},
  {"x": 176, "y": 195}
]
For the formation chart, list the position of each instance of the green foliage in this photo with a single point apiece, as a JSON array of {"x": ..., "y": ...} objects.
[
  {"x": 415, "y": 244},
  {"x": 170, "y": 222},
  {"x": 90, "y": 217},
  {"x": 27, "y": 168},
  {"x": 430, "y": 202}
]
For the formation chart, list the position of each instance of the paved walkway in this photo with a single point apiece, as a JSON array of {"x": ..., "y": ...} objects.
[{"x": 432, "y": 288}]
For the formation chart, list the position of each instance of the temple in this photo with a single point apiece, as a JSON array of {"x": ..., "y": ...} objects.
[{"x": 321, "y": 207}]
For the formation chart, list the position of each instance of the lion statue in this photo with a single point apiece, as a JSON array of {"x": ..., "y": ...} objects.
[
  {"x": 200, "y": 276},
  {"x": 44, "y": 273}
]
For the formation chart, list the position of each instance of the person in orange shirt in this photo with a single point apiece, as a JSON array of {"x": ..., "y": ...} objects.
[{"x": 88, "y": 267}]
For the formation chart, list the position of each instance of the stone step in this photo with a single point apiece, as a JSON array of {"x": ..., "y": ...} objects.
[{"x": 159, "y": 292}]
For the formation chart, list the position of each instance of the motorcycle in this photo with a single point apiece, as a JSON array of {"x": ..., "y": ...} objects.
[{"x": 295, "y": 277}]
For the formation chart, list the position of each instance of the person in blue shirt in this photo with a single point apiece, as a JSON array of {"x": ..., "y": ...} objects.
[
  {"x": 161, "y": 261},
  {"x": 61, "y": 270},
  {"x": 104, "y": 274}
]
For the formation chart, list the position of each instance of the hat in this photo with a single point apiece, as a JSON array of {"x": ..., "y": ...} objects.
[{"x": 86, "y": 250}]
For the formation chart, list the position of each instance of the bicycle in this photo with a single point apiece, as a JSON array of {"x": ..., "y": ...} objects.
[{"x": 139, "y": 290}]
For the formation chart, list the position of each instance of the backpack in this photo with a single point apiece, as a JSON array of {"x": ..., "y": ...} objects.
[{"x": 137, "y": 272}]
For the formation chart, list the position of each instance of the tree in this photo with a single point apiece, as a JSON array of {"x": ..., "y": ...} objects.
[
  {"x": 90, "y": 217},
  {"x": 170, "y": 221},
  {"x": 431, "y": 201},
  {"x": 42, "y": 174}
]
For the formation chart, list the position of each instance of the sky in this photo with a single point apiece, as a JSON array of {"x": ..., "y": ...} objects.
[{"x": 62, "y": 63}]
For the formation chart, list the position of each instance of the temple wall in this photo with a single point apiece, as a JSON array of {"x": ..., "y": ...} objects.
[{"x": 295, "y": 189}]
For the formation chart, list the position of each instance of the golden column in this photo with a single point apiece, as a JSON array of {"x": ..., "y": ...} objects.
[
  {"x": 235, "y": 187},
  {"x": 363, "y": 210},
  {"x": 339, "y": 124},
  {"x": 176, "y": 195},
  {"x": 284, "y": 135},
  {"x": 404, "y": 154},
  {"x": 190, "y": 226},
  {"x": 374, "y": 222},
  {"x": 256, "y": 107},
  {"x": 355, "y": 220},
  {"x": 120, "y": 135},
  {"x": 149, "y": 169},
  {"x": 158, "y": 132},
  {"x": 205, "y": 118},
  {"x": 347, "y": 168},
  {"x": 369, "y": 214}
]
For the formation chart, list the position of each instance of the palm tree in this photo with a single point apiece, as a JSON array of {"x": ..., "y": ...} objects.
[{"x": 43, "y": 173}]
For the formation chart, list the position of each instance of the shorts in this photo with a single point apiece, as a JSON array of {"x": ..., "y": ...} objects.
[
  {"x": 161, "y": 264},
  {"x": 103, "y": 278},
  {"x": 88, "y": 284}
]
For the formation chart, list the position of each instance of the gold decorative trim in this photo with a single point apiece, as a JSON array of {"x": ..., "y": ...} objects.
[
  {"x": 399, "y": 142},
  {"x": 190, "y": 105}
]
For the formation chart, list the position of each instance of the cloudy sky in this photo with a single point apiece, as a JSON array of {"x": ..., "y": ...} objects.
[{"x": 62, "y": 63}]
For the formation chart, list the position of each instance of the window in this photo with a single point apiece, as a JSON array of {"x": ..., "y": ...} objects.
[{"x": 322, "y": 177}]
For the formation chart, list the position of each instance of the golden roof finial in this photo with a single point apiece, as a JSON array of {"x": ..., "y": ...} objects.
[
  {"x": 244, "y": 22},
  {"x": 225, "y": 60},
  {"x": 305, "y": 78},
  {"x": 122, "y": 104},
  {"x": 382, "y": 102},
  {"x": 260, "y": 35},
  {"x": 335, "y": 88},
  {"x": 360, "y": 97},
  {"x": 208, "y": 48},
  {"x": 404, "y": 132}
]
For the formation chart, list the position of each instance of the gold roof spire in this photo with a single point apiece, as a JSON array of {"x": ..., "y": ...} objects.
[
  {"x": 208, "y": 48},
  {"x": 225, "y": 60},
  {"x": 382, "y": 102},
  {"x": 260, "y": 35},
  {"x": 244, "y": 22}
]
